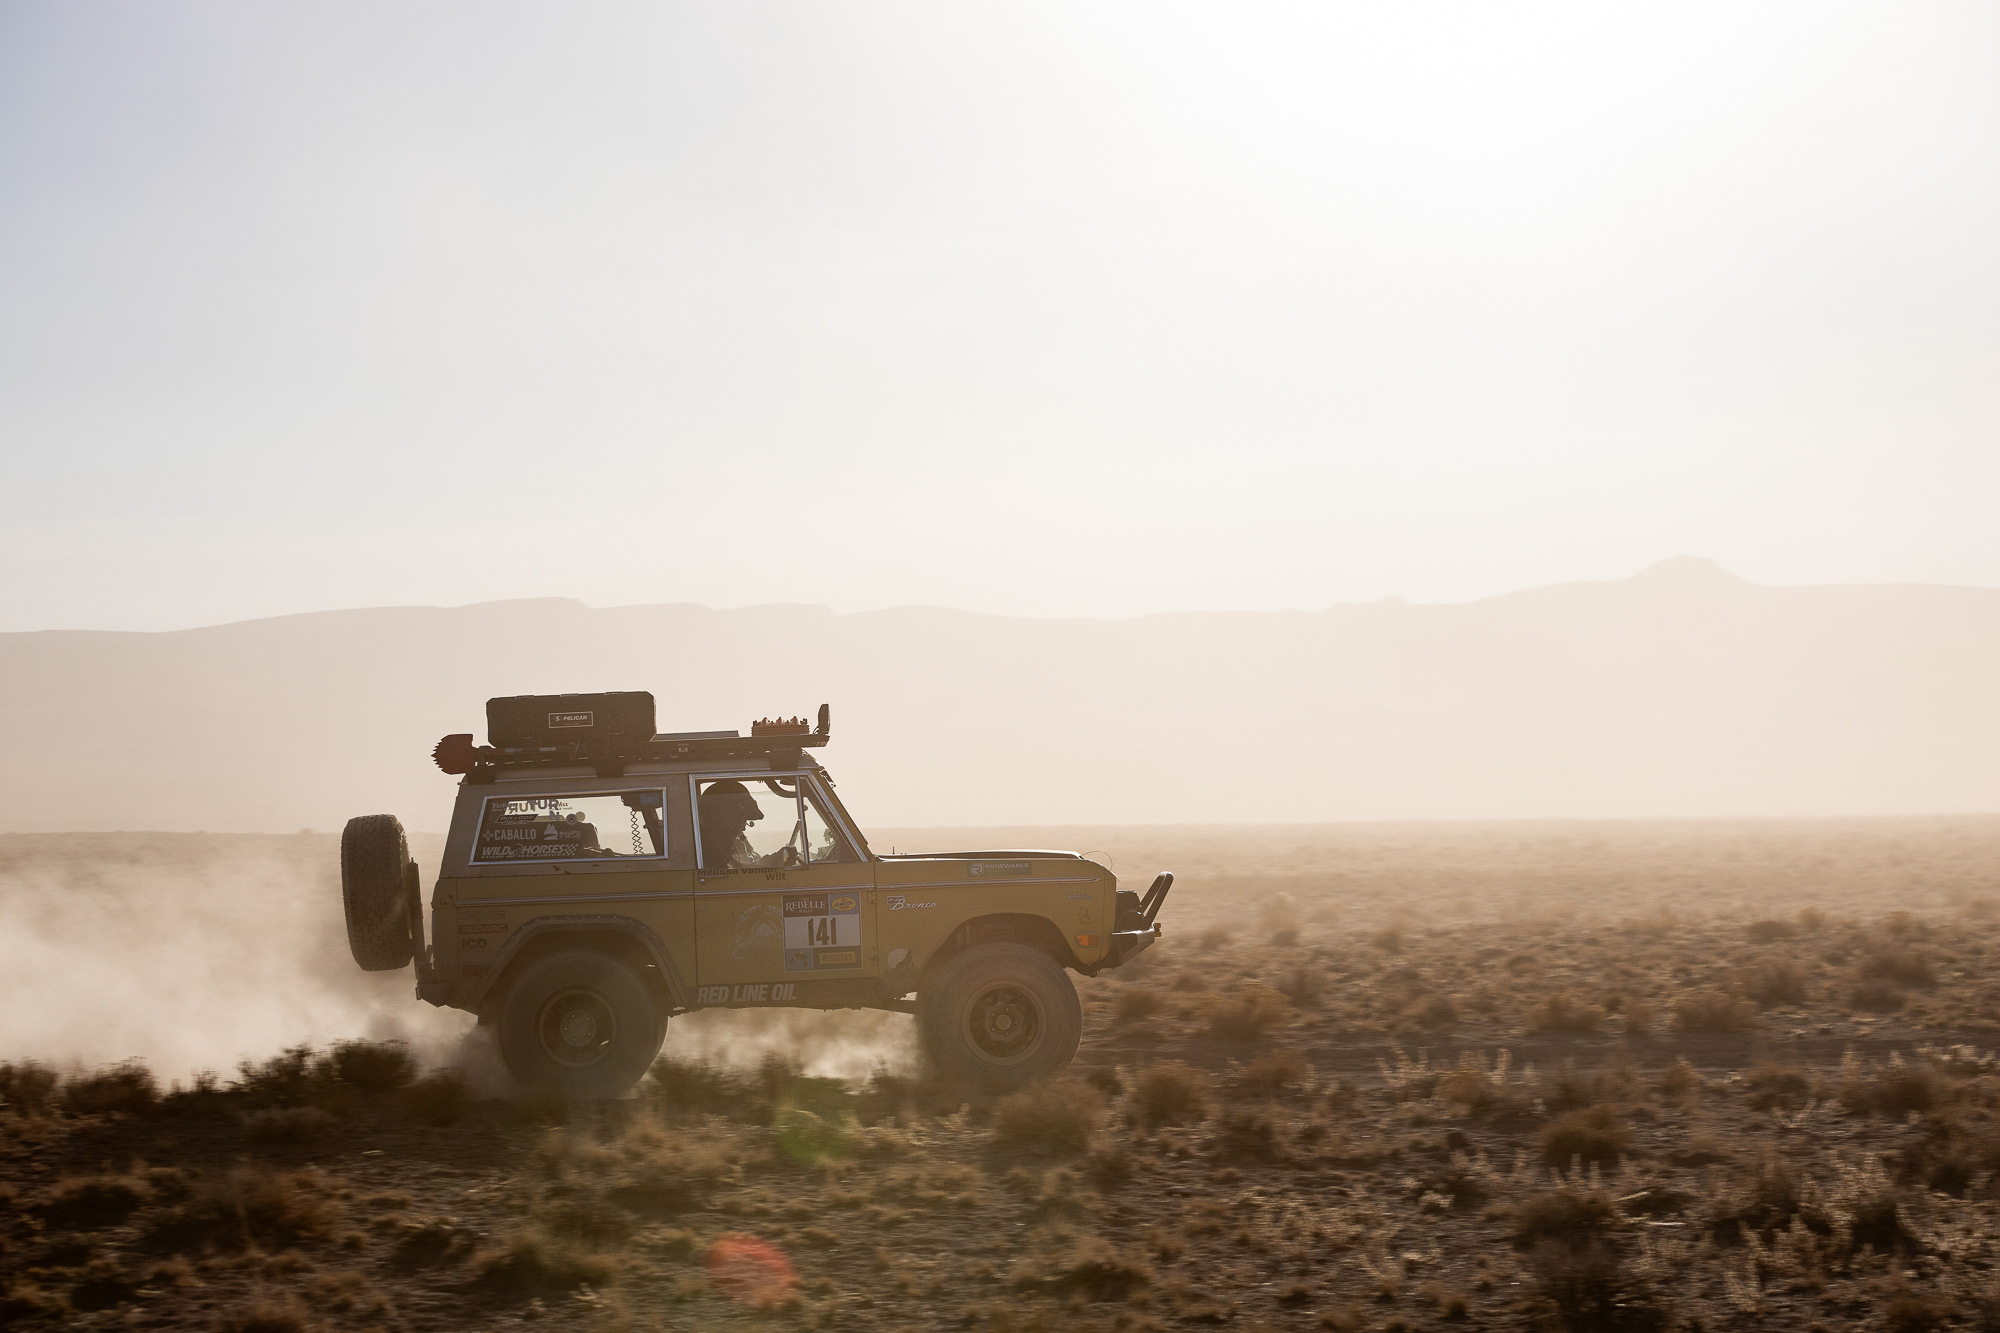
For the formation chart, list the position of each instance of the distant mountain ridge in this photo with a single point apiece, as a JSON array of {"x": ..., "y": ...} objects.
[{"x": 1682, "y": 691}]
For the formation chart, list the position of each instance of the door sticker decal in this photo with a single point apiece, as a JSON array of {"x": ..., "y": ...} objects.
[{"x": 822, "y": 931}]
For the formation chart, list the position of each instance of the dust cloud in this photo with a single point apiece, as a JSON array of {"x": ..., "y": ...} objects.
[
  {"x": 194, "y": 951},
  {"x": 191, "y": 952}
]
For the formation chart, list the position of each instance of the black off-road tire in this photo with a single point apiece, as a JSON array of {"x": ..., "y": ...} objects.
[
  {"x": 581, "y": 1024},
  {"x": 999, "y": 1016},
  {"x": 375, "y": 871}
]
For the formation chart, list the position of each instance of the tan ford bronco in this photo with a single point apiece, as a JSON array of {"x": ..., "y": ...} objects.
[{"x": 599, "y": 879}]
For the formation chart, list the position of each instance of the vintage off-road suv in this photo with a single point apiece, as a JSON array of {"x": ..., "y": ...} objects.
[{"x": 599, "y": 879}]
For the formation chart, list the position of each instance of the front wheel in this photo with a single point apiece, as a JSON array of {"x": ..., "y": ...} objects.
[
  {"x": 1000, "y": 1015},
  {"x": 581, "y": 1024}
]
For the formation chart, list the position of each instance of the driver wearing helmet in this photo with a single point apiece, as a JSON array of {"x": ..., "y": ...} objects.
[{"x": 727, "y": 809}]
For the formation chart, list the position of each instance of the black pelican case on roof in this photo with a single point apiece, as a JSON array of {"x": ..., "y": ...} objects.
[{"x": 543, "y": 721}]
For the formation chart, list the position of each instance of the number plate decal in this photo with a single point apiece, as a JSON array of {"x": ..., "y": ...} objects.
[{"x": 822, "y": 931}]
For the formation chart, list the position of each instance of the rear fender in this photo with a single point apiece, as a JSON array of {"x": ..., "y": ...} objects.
[{"x": 631, "y": 942}]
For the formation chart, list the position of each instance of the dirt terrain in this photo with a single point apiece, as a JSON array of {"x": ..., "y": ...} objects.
[{"x": 1589, "y": 1076}]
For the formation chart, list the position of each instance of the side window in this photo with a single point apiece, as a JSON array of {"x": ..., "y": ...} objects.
[
  {"x": 823, "y": 841},
  {"x": 750, "y": 822},
  {"x": 595, "y": 826}
]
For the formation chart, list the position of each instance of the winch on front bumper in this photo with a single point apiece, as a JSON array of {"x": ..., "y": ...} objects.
[{"x": 1138, "y": 919}]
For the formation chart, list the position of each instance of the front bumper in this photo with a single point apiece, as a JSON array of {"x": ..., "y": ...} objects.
[{"x": 1129, "y": 944}]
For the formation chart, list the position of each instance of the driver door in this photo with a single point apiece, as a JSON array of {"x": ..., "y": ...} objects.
[{"x": 785, "y": 901}]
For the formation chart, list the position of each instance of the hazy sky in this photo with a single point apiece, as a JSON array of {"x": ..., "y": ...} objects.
[{"x": 1086, "y": 309}]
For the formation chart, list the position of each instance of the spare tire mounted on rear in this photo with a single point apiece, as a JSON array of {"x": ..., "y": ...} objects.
[{"x": 376, "y": 881}]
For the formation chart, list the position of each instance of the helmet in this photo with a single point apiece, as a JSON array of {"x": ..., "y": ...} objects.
[{"x": 728, "y": 800}]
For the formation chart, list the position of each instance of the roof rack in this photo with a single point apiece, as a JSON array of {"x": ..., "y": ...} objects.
[{"x": 609, "y": 755}]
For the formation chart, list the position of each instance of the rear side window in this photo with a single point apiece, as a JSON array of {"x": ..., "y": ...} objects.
[{"x": 593, "y": 826}]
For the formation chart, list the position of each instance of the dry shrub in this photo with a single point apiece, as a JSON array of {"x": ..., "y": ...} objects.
[
  {"x": 1250, "y": 1014},
  {"x": 101, "y": 1285},
  {"x": 1105, "y": 1081},
  {"x": 1908, "y": 1311},
  {"x": 1770, "y": 930},
  {"x": 1214, "y": 938},
  {"x": 93, "y": 1201},
  {"x": 1587, "y": 1289},
  {"x": 1894, "y": 1089},
  {"x": 27, "y": 1088},
  {"x": 1388, "y": 939},
  {"x": 1062, "y": 1116},
  {"x": 932, "y": 1185},
  {"x": 342, "y": 1292},
  {"x": 576, "y": 1217},
  {"x": 1171, "y": 1093},
  {"x": 1285, "y": 936},
  {"x": 533, "y": 1259},
  {"x": 1137, "y": 1002},
  {"x": 1572, "y": 1214},
  {"x": 1876, "y": 996},
  {"x": 288, "y": 1124},
  {"x": 294, "y": 1077},
  {"x": 441, "y": 1097},
  {"x": 1681, "y": 1079},
  {"x": 24, "y": 1298},
  {"x": 1764, "y": 1202},
  {"x": 1095, "y": 1268},
  {"x": 652, "y": 1170},
  {"x": 1714, "y": 1011},
  {"x": 695, "y": 1085},
  {"x": 1774, "y": 982},
  {"x": 1431, "y": 1011},
  {"x": 1638, "y": 1016},
  {"x": 1304, "y": 984},
  {"x": 1252, "y": 1134},
  {"x": 248, "y": 1206},
  {"x": 1592, "y": 1134},
  {"x": 128, "y": 1088},
  {"x": 435, "y": 1240},
  {"x": 1900, "y": 925},
  {"x": 1777, "y": 1087},
  {"x": 265, "y": 1314},
  {"x": 1472, "y": 1088},
  {"x": 1904, "y": 967},
  {"x": 374, "y": 1066},
  {"x": 1560, "y": 1013},
  {"x": 1570, "y": 1089},
  {"x": 1280, "y": 1068}
]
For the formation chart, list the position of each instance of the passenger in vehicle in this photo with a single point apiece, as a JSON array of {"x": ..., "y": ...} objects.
[{"x": 727, "y": 809}]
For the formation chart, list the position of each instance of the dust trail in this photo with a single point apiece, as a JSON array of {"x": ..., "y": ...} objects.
[
  {"x": 193, "y": 951},
  {"x": 189, "y": 951},
  {"x": 840, "y": 1043}
]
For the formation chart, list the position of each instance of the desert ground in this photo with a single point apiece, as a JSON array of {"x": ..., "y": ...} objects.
[{"x": 1647, "y": 1075}]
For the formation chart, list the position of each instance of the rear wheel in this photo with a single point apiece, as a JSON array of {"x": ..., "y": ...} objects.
[
  {"x": 1000, "y": 1015},
  {"x": 375, "y": 875},
  {"x": 581, "y": 1024}
]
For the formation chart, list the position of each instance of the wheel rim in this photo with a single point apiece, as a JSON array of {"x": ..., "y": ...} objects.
[
  {"x": 1004, "y": 1023},
  {"x": 577, "y": 1028}
]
